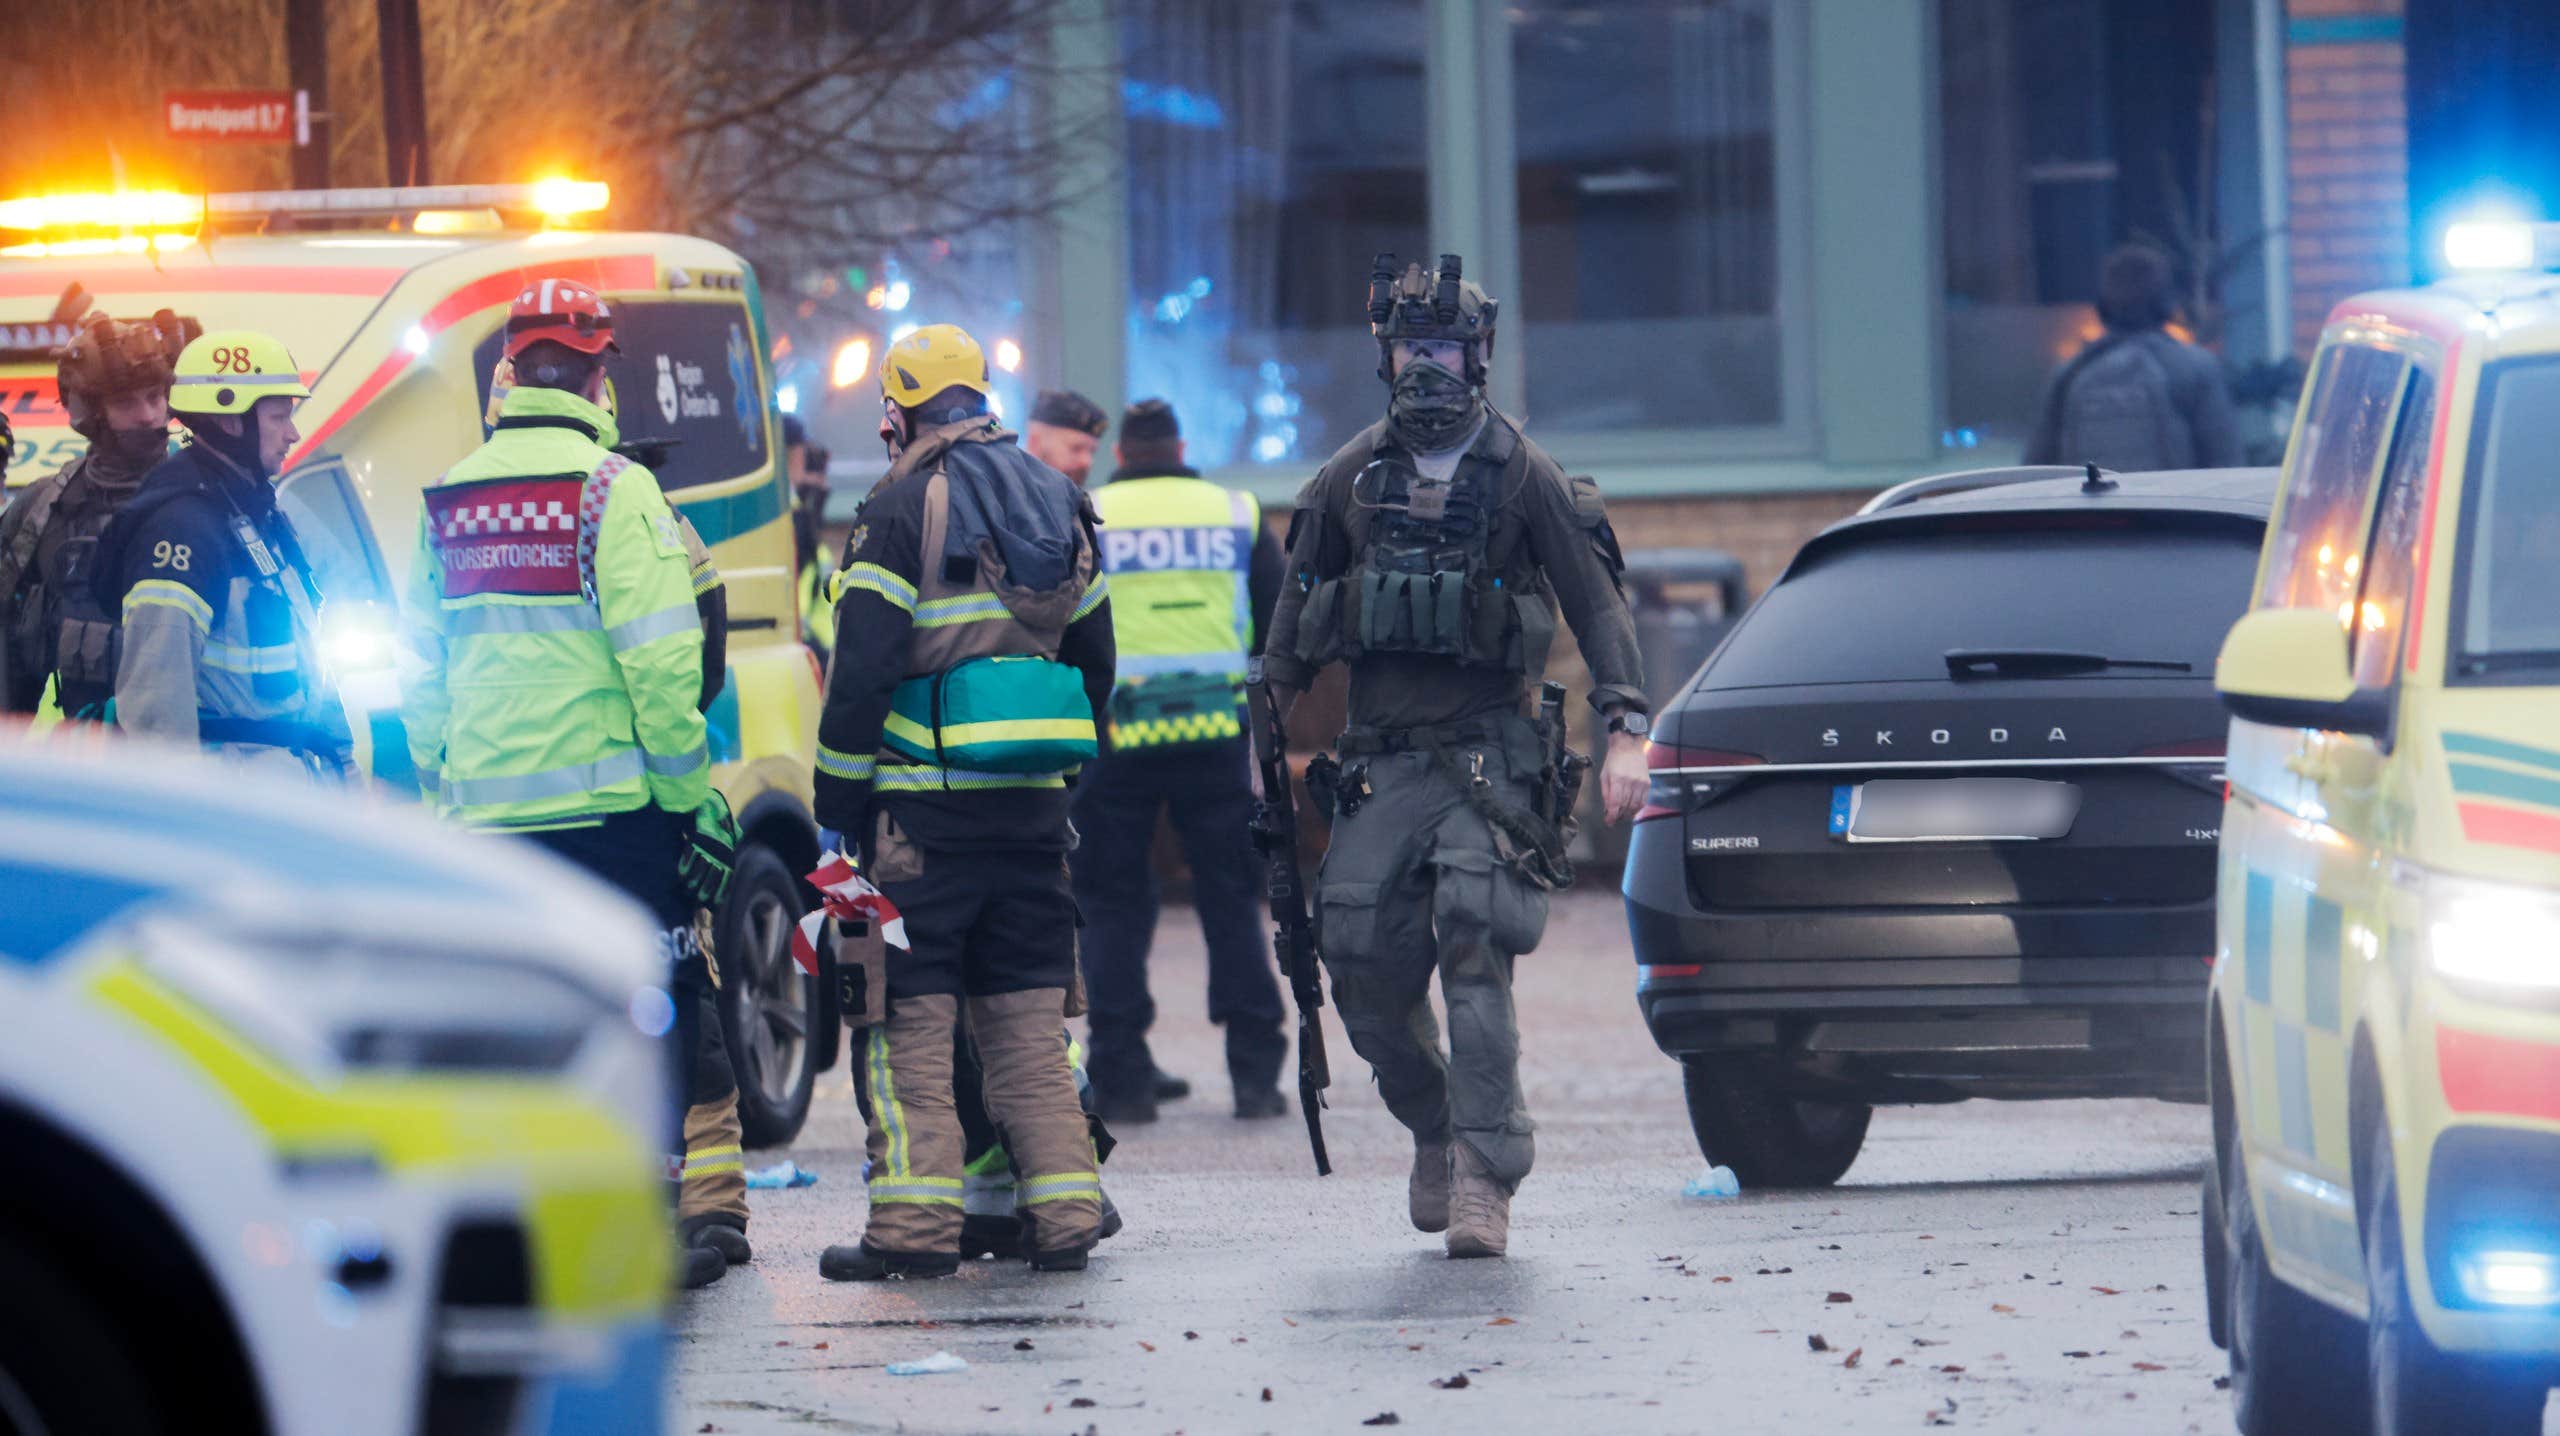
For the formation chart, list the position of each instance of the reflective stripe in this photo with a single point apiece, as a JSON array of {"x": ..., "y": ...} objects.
[
  {"x": 650, "y": 627},
  {"x": 693, "y": 1173},
  {"x": 695, "y": 1156},
  {"x": 233, "y": 658},
  {"x": 923, "y": 1192},
  {"x": 554, "y": 783},
  {"x": 677, "y": 766},
  {"x": 238, "y": 381},
  {"x": 969, "y": 608},
  {"x": 1093, "y": 597},
  {"x": 925, "y": 778},
  {"x": 1060, "y": 1187},
  {"x": 1227, "y": 664},
  {"x": 481, "y": 619},
  {"x": 884, "y": 1101},
  {"x": 907, "y": 730},
  {"x": 876, "y": 579},
  {"x": 1014, "y": 730},
  {"x": 164, "y": 593},
  {"x": 705, "y": 579},
  {"x": 713, "y": 1161},
  {"x": 846, "y": 765}
]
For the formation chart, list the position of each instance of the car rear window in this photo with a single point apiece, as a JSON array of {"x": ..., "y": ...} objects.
[{"x": 1887, "y": 607}]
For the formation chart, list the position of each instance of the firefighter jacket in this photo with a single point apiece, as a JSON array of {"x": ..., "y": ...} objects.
[
  {"x": 553, "y": 654},
  {"x": 916, "y": 597}
]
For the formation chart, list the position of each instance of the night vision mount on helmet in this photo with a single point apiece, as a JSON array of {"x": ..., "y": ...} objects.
[{"x": 1419, "y": 304}]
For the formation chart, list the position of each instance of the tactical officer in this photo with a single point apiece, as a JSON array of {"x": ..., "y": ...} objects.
[
  {"x": 552, "y": 687},
  {"x": 973, "y": 662},
  {"x": 1429, "y": 556},
  {"x": 114, "y": 383},
  {"x": 1065, "y": 429},
  {"x": 1189, "y": 564},
  {"x": 218, "y": 603}
]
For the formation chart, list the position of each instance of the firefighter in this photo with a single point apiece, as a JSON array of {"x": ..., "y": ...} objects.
[
  {"x": 114, "y": 381},
  {"x": 218, "y": 605},
  {"x": 552, "y": 685},
  {"x": 973, "y": 663}
]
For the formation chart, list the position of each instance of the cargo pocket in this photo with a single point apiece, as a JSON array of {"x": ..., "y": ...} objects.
[
  {"x": 1347, "y": 920},
  {"x": 1320, "y": 624},
  {"x": 894, "y": 856},
  {"x": 1534, "y": 635},
  {"x": 1477, "y": 892}
]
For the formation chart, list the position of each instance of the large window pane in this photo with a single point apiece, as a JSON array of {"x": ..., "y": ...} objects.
[
  {"x": 1272, "y": 149},
  {"x": 1648, "y": 213}
]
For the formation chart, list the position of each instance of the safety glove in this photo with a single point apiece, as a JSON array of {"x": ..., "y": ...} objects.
[{"x": 710, "y": 853}]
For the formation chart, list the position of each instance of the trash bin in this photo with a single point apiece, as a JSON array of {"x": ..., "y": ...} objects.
[{"x": 1683, "y": 601}]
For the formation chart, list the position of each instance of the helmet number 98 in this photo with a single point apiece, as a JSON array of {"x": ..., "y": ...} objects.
[{"x": 232, "y": 359}]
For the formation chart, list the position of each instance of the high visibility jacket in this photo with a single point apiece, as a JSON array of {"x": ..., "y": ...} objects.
[
  {"x": 553, "y": 655},
  {"x": 1178, "y": 552}
]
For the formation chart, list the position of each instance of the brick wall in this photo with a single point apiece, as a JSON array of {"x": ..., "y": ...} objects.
[{"x": 2347, "y": 140}]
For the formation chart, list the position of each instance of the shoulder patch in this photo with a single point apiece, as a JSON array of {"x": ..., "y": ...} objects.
[{"x": 670, "y": 537}]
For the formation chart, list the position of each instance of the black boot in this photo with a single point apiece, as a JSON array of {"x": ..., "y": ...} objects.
[
  {"x": 1169, "y": 1088},
  {"x": 1254, "y": 1104},
  {"x": 700, "y": 1266},
  {"x": 716, "y": 1233},
  {"x": 860, "y": 1262},
  {"x": 1073, "y": 1259}
]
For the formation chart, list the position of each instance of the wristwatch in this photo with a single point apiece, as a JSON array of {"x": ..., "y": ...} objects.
[{"x": 1630, "y": 722}]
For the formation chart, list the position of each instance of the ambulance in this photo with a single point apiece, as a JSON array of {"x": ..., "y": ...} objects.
[
  {"x": 393, "y": 300},
  {"x": 2382, "y": 1214},
  {"x": 318, "y": 1120}
]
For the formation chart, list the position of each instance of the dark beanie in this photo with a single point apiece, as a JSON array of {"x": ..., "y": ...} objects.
[
  {"x": 1148, "y": 419},
  {"x": 1069, "y": 410}
]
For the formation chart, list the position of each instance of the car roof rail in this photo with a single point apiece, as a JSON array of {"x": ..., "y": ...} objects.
[{"x": 1930, "y": 487}]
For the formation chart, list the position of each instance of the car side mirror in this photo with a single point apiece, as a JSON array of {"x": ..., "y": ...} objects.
[{"x": 2287, "y": 667}]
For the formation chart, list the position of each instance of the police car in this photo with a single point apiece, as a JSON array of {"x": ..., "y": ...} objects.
[
  {"x": 2381, "y": 1230},
  {"x": 316, "y": 1121},
  {"x": 394, "y": 299}
]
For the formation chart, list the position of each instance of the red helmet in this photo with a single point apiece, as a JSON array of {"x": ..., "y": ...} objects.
[{"x": 564, "y": 312}]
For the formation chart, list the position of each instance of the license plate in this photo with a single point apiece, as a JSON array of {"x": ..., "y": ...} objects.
[{"x": 1953, "y": 810}]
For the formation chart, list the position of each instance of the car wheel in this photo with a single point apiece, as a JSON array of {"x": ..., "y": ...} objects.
[
  {"x": 63, "y": 1369},
  {"x": 1768, "y": 1138},
  {"x": 2295, "y": 1364},
  {"x": 767, "y": 1004},
  {"x": 2217, "y": 1257},
  {"x": 2416, "y": 1389}
]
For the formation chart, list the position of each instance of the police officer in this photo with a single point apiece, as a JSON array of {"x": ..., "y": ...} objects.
[
  {"x": 114, "y": 381},
  {"x": 551, "y": 687},
  {"x": 973, "y": 661},
  {"x": 1065, "y": 430},
  {"x": 1429, "y": 556},
  {"x": 1189, "y": 564},
  {"x": 218, "y": 604}
]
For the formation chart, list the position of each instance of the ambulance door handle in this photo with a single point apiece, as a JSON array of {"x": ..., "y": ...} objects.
[{"x": 2312, "y": 767}]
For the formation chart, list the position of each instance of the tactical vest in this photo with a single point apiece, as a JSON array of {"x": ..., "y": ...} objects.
[
  {"x": 1179, "y": 552},
  {"x": 1436, "y": 568},
  {"x": 56, "y": 625},
  {"x": 1008, "y": 563}
]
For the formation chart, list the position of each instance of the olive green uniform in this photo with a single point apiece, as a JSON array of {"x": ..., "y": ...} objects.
[{"x": 1441, "y": 598}]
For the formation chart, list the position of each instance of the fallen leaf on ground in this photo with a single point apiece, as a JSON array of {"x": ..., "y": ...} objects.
[
  {"x": 1081, "y": 1403},
  {"x": 1266, "y": 1393},
  {"x": 2149, "y": 1366},
  {"x": 1924, "y": 1341},
  {"x": 1413, "y": 1346},
  {"x": 1816, "y": 1343},
  {"x": 1502, "y": 1321},
  {"x": 1724, "y": 1279},
  {"x": 821, "y": 1346},
  {"x": 2004, "y": 1310},
  {"x": 2077, "y": 1355},
  {"x": 1838, "y": 1297},
  {"x": 1285, "y": 1321},
  {"x": 1450, "y": 1383},
  {"x": 1384, "y": 1418},
  {"x": 1852, "y": 1363},
  {"x": 2106, "y": 1291},
  {"x": 1023, "y": 1345},
  {"x": 1149, "y": 1345},
  {"x": 1949, "y": 1370}
]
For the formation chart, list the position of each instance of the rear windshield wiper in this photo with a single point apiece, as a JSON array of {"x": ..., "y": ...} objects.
[{"x": 1964, "y": 661}]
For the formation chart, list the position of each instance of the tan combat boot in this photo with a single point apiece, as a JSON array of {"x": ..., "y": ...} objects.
[
  {"x": 1479, "y": 1209},
  {"x": 1427, "y": 1194}
]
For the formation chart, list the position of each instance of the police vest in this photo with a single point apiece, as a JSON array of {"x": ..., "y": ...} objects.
[{"x": 1178, "y": 552}]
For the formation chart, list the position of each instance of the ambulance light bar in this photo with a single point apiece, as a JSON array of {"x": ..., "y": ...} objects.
[
  {"x": 2490, "y": 245},
  {"x": 79, "y": 218}
]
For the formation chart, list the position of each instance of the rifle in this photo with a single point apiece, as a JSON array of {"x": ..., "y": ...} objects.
[{"x": 1275, "y": 836}]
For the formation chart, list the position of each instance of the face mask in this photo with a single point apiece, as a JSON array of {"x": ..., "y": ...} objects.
[
  {"x": 1430, "y": 409},
  {"x": 136, "y": 449}
]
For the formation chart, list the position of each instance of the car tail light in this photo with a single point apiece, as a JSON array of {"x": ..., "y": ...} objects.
[{"x": 1674, "y": 776}]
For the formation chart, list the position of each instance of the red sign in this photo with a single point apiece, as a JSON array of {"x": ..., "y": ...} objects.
[
  {"x": 515, "y": 536},
  {"x": 263, "y": 116}
]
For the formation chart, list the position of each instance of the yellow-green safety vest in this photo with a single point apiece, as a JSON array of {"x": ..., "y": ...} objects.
[{"x": 1179, "y": 554}]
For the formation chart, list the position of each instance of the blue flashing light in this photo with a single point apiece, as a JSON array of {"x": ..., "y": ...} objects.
[
  {"x": 1270, "y": 449},
  {"x": 2510, "y": 1278},
  {"x": 787, "y": 398},
  {"x": 1172, "y": 104}
]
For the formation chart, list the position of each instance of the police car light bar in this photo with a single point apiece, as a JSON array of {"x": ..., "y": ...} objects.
[{"x": 2487, "y": 245}]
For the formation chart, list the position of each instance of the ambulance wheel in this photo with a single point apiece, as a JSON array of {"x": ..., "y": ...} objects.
[
  {"x": 2295, "y": 1364},
  {"x": 768, "y": 1006},
  {"x": 2217, "y": 1258},
  {"x": 1768, "y": 1138},
  {"x": 2418, "y": 1390},
  {"x": 63, "y": 1369}
]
